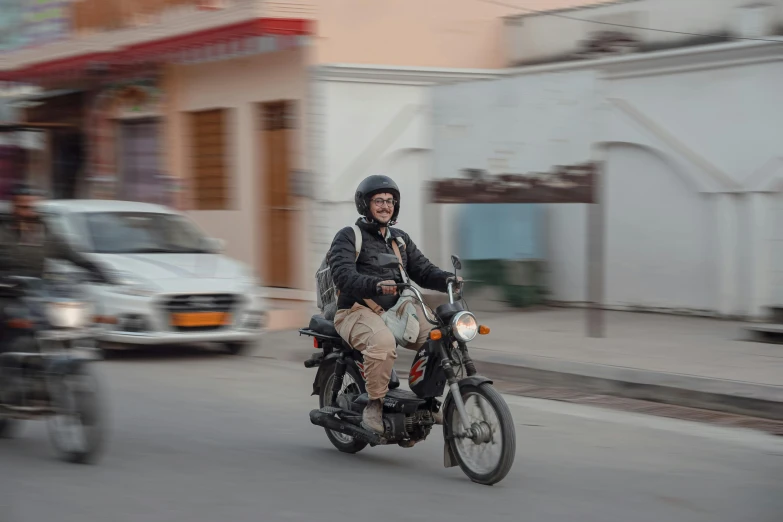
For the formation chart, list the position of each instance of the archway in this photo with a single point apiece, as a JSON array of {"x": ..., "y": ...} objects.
[{"x": 659, "y": 233}]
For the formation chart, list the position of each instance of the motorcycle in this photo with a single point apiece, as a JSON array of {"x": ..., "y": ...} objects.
[
  {"x": 44, "y": 366},
  {"x": 478, "y": 429}
]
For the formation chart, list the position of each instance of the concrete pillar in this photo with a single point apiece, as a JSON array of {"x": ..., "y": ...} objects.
[
  {"x": 760, "y": 213},
  {"x": 727, "y": 217}
]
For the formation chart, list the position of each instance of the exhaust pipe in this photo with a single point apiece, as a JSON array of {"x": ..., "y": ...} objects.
[{"x": 329, "y": 421}]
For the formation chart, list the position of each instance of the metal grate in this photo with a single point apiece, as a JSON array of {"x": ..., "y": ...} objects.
[{"x": 200, "y": 303}]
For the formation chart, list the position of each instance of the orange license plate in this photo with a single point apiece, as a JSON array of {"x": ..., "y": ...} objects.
[{"x": 200, "y": 319}]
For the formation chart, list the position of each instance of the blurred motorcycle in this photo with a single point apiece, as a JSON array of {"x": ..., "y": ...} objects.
[{"x": 47, "y": 345}]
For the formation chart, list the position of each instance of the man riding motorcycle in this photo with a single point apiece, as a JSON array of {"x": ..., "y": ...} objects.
[
  {"x": 26, "y": 243},
  {"x": 377, "y": 200}
]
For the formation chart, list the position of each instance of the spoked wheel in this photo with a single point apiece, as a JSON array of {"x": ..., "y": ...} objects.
[
  {"x": 77, "y": 430},
  {"x": 349, "y": 390},
  {"x": 487, "y": 458}
]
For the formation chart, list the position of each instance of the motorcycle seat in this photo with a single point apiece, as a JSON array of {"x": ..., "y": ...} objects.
[{"x": 319, "y": 324}]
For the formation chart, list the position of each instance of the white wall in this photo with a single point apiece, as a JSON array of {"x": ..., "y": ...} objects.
[
  {"x": 659, "y": 235},
  {"x": 533, "y": 38},
  {"x": 689, "y": 139},
  {"x": 370, "y": 127},
  {"x": 777, "y": 250},
  {"x": 519, "y": 125},
  {"x": 717, "y": 129}
]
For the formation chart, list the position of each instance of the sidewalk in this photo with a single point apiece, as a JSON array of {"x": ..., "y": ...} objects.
[
  {"x": 687, "y": 361},
  {"x": 655, "y": 342}
]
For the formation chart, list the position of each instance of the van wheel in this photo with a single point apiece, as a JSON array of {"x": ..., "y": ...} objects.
[{"x": 236, "y": 348}]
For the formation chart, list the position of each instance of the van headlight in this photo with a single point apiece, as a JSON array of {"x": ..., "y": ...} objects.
[
  {"x": 70, "y": 314},
  {"x": 250, "y": 285},
  {"x": 465, "y": 326}
]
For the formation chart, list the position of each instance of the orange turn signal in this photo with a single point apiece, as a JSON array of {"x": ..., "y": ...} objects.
[
  {"x": 436, "y": 335},
  {"x": 105, "y": 319},
  {"x": 483, "y": 330}
]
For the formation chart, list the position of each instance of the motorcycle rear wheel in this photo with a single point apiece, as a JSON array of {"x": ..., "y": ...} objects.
[
  {"x": 78, "y": 433},
  {"x": 341, "y": 441},
  {"x": 500, "y": 435}
]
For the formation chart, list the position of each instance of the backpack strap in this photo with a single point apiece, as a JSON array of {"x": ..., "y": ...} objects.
[
  {"x": 357, "y": 233},
  {"x": 396, "y": 247},
  {"x": 357, "y": 245}
]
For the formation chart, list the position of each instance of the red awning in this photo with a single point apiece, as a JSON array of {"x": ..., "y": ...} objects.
[
  {"x": 227, "y": 35},
  {"x": 221, "y": 42}
]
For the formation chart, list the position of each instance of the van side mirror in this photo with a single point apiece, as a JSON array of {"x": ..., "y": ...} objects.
[{"x": 215, "y": 245}]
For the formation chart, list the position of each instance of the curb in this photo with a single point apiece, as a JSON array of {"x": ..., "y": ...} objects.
[{"x": 737, "y": 397}]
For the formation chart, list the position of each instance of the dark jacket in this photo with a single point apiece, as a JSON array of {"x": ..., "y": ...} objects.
[
  {"x": 28, "y": 258},
  {"x": 358, "y": 280}
]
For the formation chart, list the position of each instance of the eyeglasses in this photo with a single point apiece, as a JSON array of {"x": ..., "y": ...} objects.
[{"x": 378, "y": 202}]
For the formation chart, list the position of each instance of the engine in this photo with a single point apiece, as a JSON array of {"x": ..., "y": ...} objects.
[
  {"x": 415, "y": 426},
  {"x": 418, "y": 425}
]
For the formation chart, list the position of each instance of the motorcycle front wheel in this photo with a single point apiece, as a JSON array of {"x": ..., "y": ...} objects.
[
  {"x": 487, "y": 458},
  {"x": 77, "y": 430}
]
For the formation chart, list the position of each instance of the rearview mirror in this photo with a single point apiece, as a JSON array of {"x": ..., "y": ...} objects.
[
  {"x": 214, "y": 244},
  {"x": 388, "y": 261},
  {"x": 456, "y": 263}
]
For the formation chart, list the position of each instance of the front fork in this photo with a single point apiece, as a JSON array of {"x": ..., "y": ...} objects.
[{"x": 456, "y": 396}]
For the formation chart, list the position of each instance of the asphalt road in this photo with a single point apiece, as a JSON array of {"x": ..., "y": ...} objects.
[{"x": 201, "y": 437}]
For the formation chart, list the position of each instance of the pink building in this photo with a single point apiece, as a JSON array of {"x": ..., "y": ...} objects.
[{"x": 244, "y": 112}]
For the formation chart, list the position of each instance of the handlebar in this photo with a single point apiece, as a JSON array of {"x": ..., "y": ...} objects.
[{"x": 432, "y": 320}]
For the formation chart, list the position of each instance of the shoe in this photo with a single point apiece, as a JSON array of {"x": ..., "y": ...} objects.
[{"x": 372, "y": 418}]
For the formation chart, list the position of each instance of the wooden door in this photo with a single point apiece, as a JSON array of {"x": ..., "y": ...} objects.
[{"x": 277, "y": 237}]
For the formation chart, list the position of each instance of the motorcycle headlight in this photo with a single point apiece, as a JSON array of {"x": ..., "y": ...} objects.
[
  {"x": 465, "y": 326},
  {"x": 69, "y": 314}
]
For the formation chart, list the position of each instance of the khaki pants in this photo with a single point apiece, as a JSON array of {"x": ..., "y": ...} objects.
[{"x": 365, "y": 331}]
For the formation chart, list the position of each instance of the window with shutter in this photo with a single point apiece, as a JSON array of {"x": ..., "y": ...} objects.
[{"x": 208, "y": 152}]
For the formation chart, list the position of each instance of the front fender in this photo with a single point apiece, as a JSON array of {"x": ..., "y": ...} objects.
[
  {"x": 449, "y": 459},
  {"x": 474, "y": 380}
]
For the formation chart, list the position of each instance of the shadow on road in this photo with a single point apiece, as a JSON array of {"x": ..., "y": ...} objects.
[{"x": 164, "y": 353}]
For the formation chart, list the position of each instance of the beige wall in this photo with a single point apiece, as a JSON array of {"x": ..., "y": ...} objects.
[
  {"x": 434, "y": 33},
  {"x": 239, "y": 85}
]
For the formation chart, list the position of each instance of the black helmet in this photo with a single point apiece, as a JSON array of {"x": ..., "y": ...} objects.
[{"x": 372, "y": 185}]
